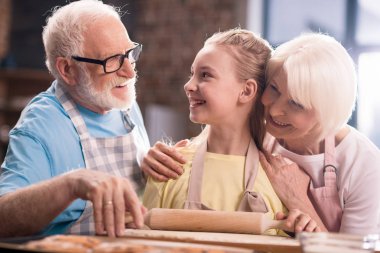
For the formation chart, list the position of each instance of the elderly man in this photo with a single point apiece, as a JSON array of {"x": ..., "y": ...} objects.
[{"x": 72, "y": 162}]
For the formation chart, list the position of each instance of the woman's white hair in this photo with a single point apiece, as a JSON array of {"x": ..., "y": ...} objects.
[
  {"x": 63, "y": 34},
  {"x": 320, "y": 75}
]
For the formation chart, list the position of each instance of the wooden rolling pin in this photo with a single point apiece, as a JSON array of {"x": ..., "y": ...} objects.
[{"x": 208, "y": 221}]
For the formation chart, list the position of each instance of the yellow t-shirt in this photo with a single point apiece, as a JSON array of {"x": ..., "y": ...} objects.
[{"x": 222, "y": 186}]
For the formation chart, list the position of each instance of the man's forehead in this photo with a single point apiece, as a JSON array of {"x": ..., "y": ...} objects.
[{"x": 105, "y": 37}]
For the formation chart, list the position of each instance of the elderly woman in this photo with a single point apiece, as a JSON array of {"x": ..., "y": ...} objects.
[{"x": 310, "y": 95}]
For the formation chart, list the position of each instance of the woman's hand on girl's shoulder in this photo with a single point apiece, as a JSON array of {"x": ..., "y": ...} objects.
[{"x": 289, "y": 181}]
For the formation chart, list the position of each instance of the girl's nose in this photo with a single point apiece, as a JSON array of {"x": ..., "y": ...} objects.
[{"x": 190, "y": 85}]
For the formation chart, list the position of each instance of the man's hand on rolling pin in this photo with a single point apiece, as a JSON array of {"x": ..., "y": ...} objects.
[
  {"x": 298, "y": 221},
  {"x": 110, "y": 196},
  {"x": 163, "y": 162}
]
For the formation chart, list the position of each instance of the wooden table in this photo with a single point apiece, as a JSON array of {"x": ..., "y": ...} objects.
[
  {"x": 133, "y": 244},
  {"x": 228, "y": 243},
  {"x": 254, "y": 242},
  {"x": 262, "y": 243}
]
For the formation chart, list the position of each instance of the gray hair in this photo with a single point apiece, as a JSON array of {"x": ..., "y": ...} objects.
[
  {"x": 320, "y": 75},
  {"x": 63, "y": 34}
]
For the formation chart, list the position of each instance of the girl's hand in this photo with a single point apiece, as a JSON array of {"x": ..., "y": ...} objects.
[
  {"x": 291, "y": 184},
  {"x": 298, "y": 221}
]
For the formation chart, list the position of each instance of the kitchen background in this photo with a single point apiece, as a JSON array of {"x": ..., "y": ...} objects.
[{"x": 172, "y": 32}]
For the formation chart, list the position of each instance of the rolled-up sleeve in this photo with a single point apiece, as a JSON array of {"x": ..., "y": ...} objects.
[{"x": 26, "y": 163}]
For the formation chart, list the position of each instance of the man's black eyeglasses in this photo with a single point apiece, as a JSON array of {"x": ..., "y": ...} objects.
[{"x": 114, "y": 62}]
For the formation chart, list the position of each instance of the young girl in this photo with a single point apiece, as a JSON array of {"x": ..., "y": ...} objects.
[{"x": 223, "y": 170}]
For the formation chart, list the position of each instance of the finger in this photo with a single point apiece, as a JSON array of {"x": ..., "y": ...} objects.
[
  {"x": 280, "y": 216},
  {"x": 171, "y": 152},
  {"x": 97, "y": 204},
  {"x": 108, "y": 214},
  {"x": 144, "y": 210},
  {"x": 155, "y": 164},
  {"x": 133, "y": 205},
  {"x": 292, "y": 218},
  {"x": 279, "y": 161},
  {"x": 264, "y": 163},
  {"x": 311, "y": 226},
  {"x": 301, "y": 223},
  {"x": 288, "y": 161},
  {"x": 153, "y": 174},
  {"x": 182, "y": 143},
  {"x": 119, "y": 212},
  {"x": 128, "y": 217}
]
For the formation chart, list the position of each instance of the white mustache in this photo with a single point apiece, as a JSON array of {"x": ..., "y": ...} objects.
[{"x": 119, "y": 81}]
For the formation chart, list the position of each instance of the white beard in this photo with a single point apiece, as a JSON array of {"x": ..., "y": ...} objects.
[{"x": 104, "y": 98}]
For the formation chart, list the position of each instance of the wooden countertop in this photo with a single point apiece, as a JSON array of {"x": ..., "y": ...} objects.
[
  {"x": 256, "y": 242},
  {"x": 174, "y": 241}
]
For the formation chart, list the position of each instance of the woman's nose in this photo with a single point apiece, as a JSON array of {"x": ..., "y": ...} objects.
[{"x": 277, "y": 108}]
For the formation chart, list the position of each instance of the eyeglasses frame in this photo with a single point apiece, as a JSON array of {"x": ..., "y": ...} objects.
[{"x": 104, "y": 62}]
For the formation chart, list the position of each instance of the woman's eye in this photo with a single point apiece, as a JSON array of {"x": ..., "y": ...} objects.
[
  {"x": 191, "y": 74},
  {"x": 296, "y": 105},
  {"x": 274, "y": 88}
]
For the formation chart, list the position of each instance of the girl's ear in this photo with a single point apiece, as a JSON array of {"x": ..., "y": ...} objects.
[
  {"x": 249, "y": 91},
  {"x": 67, "y": 70}
]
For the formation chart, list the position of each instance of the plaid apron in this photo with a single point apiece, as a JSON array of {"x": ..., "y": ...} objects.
[{"x": 112, "y": 155}]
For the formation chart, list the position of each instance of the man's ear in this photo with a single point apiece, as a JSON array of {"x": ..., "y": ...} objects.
[
  {"x": 67, "y": 70},
  {"x": 249, "y": 91}
]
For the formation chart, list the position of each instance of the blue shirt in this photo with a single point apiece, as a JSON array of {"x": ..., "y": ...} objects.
[{"x": 45, "y": 144}]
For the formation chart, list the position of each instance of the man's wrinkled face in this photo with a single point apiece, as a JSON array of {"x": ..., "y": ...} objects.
[
  {"x": 105, "y": 91},
  {"x": 104, "y": 97}
]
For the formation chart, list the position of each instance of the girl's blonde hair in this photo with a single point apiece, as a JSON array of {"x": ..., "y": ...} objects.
[{"x": 251, "y": 54}]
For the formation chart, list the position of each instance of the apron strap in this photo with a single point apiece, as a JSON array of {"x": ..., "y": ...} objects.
[
  {"x": 251, "y": 166},
  {"x": 326, "y": 198},
  {"x": 68, "y": 104},
  {"x": 196, "y": 174},
  {"x": 330, "y": 164}
]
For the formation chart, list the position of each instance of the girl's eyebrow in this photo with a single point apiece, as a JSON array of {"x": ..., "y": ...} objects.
[{"x": 206, "y": 67}]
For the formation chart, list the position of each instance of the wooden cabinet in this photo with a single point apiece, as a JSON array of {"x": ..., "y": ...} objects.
[{"x": 17, "y": 88}]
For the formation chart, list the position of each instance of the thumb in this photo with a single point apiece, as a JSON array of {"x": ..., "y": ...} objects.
[
  {"x": 181, "y": 143},
  {"x": 280, "y": 216}
]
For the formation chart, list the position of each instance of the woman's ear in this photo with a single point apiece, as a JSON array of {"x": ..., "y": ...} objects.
[
  {"x": 66, "y": 70},
  {"x": 249, "y": 91}
]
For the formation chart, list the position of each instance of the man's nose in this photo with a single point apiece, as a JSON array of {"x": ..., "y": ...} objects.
[{"x": 127, "y": 69}]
